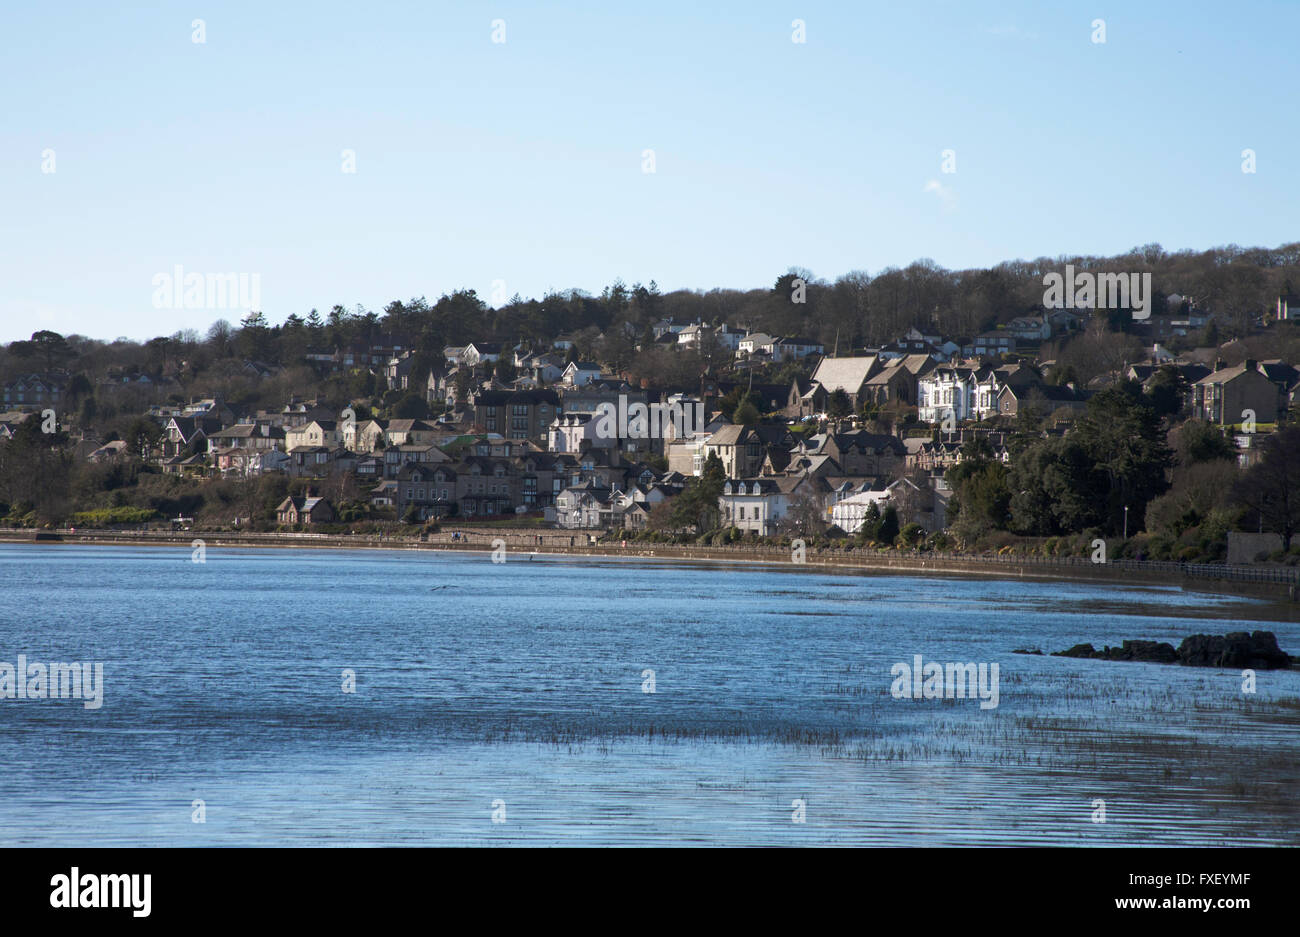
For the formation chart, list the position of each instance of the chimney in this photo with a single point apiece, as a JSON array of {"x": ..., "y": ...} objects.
[
  {"x": 1252, "y": 364},
  {"x": 1218, "y": 364}
]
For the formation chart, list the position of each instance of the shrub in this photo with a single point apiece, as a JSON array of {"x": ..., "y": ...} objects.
[{"x": 103, "y": 517}]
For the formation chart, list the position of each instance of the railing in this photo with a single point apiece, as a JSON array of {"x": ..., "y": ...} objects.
[{"x": 576, "y": 541}]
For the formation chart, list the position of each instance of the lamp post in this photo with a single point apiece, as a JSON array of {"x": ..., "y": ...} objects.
[{"x": 1126, "y": 522}]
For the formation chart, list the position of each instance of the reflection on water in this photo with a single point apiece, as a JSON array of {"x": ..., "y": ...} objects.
[{"x": 523, "y": 683}]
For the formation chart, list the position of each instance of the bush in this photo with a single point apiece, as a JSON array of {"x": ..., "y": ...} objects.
[
  {"x": 104, "y": 517},
  {"x": 912, "y": 534}
]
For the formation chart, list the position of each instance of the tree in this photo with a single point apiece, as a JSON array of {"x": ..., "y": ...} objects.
[
  {"x": 838, "y": 404},
  {"x": 1198, "y": 491},
  {"x": 50, "y": 348},
  {"x": 888, "y": 532},
  {"x": 980, "y": 499},
  {"x": 806, "y": 513},
  {"x": 1121, "y": 435},
  {"x": 746, "y": 414},
  {"x": 1166, "y": 391},
  {"x": 870, "y": 528},
  {"x": 1270, "y": 489},
  {"x": 697, "y": 506},
  {"x": 1199, "y": 441},
  {"x": 411, "y": 407}
]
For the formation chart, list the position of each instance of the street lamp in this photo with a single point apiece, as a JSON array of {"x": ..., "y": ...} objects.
[{"x": 1126, "y": 522}]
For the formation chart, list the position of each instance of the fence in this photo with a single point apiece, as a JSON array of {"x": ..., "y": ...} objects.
[{"x": 579, "y": 542}]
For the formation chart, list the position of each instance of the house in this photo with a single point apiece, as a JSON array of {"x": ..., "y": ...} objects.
[
  {"x": 187, "y": 432},
  {"x": 860, "y": 453},
  {"x": 305, "y": 510},
  {"x": 109, "y": 452},
  {"x": 916, "y": 502},
  {"x": 319, "y": 461},
  {"x": 210, "y": 408},
  {"x": 847, "y": 374},
  {"x": 588, "y": 505},
  {"x": 947, "y": 392},
  {"x": 989, "y": 382},
  {"x": 364, "y": 435},
  {"x": 990, "y": 344},
  {"x": 569, "y": 431},
  {"x": 742, "y": 449},
  {"x": 255, "y": 436},
  {"x": 1030, "y": 328},
  {"x": 758, "y": 505},
  {"x": 479, "y": 352},
  {"x": 397, "y": 370},
  {"x": 1046, "y": 399},
  {"x": 33, "y": 390},
  {"x": 396, "y": 457},
  {"x": 793, "y": 348},
  {"x": 429, "y": 489},
  {"x": 666, "y": 327},
  {"x": 910, "y": 346},
  {"x": 544, "y": 368},
  {"x": 579, "y": 373},
  {"x": 1285, "y": 377},
  {"x": 1226, "y": 394},
  {"x": 413, "y": 433},
  {"x": 754, "y": 343},
  {"x": 898, "y": 379},
  {"x": 516, "y": 414},
  {"x": 326, "y": 433}
]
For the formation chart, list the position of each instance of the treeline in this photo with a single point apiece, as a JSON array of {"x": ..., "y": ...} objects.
[{"x": 855, "y": 310}]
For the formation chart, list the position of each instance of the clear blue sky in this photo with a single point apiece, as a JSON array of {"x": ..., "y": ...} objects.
[{"x": 522, "y": 161}]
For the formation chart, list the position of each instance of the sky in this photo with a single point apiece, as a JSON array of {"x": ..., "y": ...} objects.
[{"x": 520, "y": 166}]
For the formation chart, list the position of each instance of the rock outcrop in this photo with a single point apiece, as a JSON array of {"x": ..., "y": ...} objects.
[
  {"x": 1236, "y": 650},
  {"x": 1153, "y": 652}
]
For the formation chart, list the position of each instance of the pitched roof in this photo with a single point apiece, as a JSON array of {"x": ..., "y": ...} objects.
[{"x": 846, "y": 374}]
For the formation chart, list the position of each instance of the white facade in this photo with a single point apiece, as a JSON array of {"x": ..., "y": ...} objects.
[
  {"x": 849, "y": 513},
  {"x": 944, "y": 390}
]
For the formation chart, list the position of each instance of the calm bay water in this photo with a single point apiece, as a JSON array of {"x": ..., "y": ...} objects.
[{"x": 523, "y": 683}]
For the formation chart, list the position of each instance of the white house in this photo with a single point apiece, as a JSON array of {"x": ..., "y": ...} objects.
[
  {"x": 946, "y": 389},
  {"x": 476, "y": 352},
  {"x": 568, "y": 430},
  {"x": 848, "y": 513},
  {"x": 789, "y": 349},
  {"x": 580, "y": 372},
  {"x": 758, "y": 504}
]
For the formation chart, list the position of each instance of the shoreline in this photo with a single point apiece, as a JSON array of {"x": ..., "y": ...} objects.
[{"x": 519, "y": 544}]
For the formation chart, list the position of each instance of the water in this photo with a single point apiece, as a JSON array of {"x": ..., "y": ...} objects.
[{"x": 522, "y": 684}]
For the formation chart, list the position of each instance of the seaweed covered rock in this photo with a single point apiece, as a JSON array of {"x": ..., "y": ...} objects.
[{"x": 1237, "y": 649}]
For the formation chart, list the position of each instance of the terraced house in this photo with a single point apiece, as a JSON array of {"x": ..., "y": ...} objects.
[
  {"x": 33, "y": 390},
  {"x": 525, "y": 414},
  {"x": 1226, "y": 395}
]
